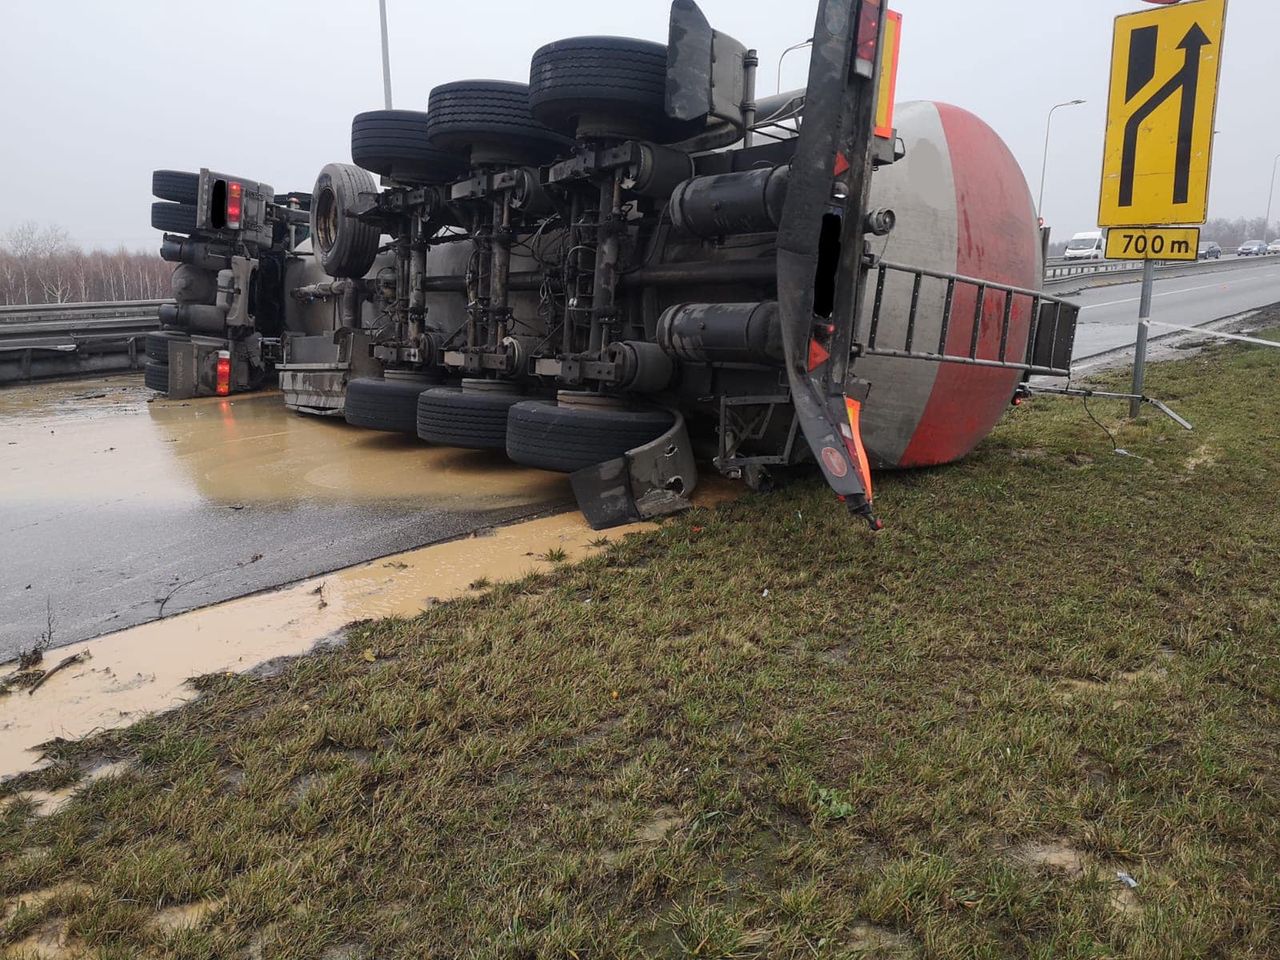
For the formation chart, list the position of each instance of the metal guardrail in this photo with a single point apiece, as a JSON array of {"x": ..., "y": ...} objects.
[
  {"x": 61, "y": 339},
  {"x": 1057, "y": 270}
]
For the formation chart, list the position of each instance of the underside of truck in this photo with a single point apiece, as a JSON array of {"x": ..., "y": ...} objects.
[{"x": 632, "y": 265}]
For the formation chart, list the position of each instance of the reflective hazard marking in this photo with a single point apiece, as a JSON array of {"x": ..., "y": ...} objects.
[
  {"x": 818, "y": 355},
  {"x": 887, "y": 87},
  {"x": 854, "y": 443}
]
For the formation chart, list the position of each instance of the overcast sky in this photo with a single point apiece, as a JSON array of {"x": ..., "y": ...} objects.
[{"x": 97, "y": 93}]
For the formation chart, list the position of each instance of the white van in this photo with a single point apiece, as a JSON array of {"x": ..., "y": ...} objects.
[{"x": 1089, "y": 245}]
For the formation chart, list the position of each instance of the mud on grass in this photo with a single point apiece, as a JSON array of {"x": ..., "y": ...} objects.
[{"x": 1056, "y": 665}]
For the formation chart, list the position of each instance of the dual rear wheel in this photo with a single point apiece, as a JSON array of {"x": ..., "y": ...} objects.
[{"x": 564, "y": 434}]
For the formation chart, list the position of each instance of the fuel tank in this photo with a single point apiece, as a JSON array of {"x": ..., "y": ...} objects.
[{"x": 963, "y": 206}]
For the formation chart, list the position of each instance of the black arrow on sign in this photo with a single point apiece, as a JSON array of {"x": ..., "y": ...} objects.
[{"x": 1187, "y": 79}]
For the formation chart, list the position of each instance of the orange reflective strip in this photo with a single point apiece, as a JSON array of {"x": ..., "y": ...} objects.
[
  {"x": 887, "y": 87},
  {"x": 854, "y": 409}
]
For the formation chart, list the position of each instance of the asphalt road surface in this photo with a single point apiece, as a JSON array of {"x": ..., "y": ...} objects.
[
  {"x": 1109, "y": 315},
  {"x": 116, "y": 509}
]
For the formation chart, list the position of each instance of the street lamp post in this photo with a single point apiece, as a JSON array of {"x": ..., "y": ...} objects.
[
  {"x": 1044, "y": 165},
  {"x": 386, "y": 56},
  {"x": 1266, "y": 224}
]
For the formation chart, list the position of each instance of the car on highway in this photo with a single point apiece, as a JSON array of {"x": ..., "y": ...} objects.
[
  {"x": 1090, "y": 245},
  {"x": 1274, "y": 246},
  {"x": 1209, "y": 251},
  {"x": 1252, "y": 248}
]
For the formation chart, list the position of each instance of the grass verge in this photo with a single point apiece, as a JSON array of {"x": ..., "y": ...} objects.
[{"x": 757, "y": 732}]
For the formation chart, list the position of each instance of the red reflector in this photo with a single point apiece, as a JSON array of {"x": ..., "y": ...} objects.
[
  {"x": 868, "y": 31},
  {"x": 222, "y": 383},
  {"x": 235, "y": 199}
]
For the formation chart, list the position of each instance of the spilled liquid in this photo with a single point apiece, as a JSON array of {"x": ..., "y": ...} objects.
[
  {"x": 104, "y": 439},
  {"x": 144, "y": 669},
  {"x": 72, "y": 453}
]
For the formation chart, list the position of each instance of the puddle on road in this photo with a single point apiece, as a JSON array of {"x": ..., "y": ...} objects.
[
  {"x": 144, "y": 669},
  {"x": 112, "y": 441}
]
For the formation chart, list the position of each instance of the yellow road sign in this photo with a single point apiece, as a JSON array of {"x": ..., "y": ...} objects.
[
  {"x": 1153, "y": 243},
  {"x": 1160, "y": 115}
]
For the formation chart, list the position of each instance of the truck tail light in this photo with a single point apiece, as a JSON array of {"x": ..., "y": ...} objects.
[
  {"x": 235, "y": 204},
  {"x": 222, "y": 381},
  {"x": 868, "y": 38}
]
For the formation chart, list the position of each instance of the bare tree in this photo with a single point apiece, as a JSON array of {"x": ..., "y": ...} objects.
[{"x": 41, "y": 265}]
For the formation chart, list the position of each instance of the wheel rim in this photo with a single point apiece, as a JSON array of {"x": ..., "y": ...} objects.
[{"x": 326, "y": 220}]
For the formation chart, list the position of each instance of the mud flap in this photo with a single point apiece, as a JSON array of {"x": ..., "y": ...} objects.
[
  {"x": 650, "y": 481},
  {"x": 184, "y": 375},
  {"x": 820, "y": 244}
]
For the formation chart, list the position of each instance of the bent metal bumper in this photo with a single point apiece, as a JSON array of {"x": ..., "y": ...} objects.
[
  {"x": 820, "y": 243},
  {"x": 650, "y": 481}
]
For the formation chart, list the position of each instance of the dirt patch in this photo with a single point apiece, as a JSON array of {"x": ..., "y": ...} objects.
[
  {"x": 49, "y": 802},
  {"x": 35, "y": 899},
  {"x": 183, "y": 916},
  {"x": 665, "y": 820},
  {"x": 1205, "y": 456},
  {"x": 49, "y": 941},
  {"x": 1057, "y": 855}
]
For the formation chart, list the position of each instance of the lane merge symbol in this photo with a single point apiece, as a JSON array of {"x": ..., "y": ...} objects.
[{"x": 1160, "y": 115}]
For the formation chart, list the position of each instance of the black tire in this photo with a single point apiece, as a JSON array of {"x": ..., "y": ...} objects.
[
  {"x": 604, "y": 87},
  {"x": 174, "y": 217},
  {"x": 378, "y": 404},
  {"x": 489, "y": 119},
  {"x": 156, "y": 376},
  {"x": 158, "y": 346},
  {"x": 176, "y": 185},
  {"x": 343, "y": 246},
  {"x": 393, "y": 143},
  {"x": 476, "y": 420},
  {"x": 567, "y": 438}
]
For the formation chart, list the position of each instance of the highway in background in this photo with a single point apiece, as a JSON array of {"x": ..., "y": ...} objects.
[{"x": 1109, "y": 314}]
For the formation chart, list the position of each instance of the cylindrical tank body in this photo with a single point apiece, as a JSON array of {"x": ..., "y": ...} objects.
[{"x": 962, "y": 206}]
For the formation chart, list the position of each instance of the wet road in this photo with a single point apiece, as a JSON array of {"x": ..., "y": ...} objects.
[
  {"x": 1109, "y": 315},
  {"x": 112, "y": 504}
]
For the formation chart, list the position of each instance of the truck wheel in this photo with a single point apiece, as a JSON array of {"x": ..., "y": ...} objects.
[
  {"x": 604, "y": 87},
  {"x": 491, "y": 119},
  {"x": 174, "y": 217},
  {"x": 379, "y": 404},
  {"x": 156, "y": 376},
  {"x": 394, "y": 143},
  {"x": 456, "y": 417},
  {"x": 343, "y": 245},
  {"x": 176, "y": 185},
  {"x": 158, "y": 346},
  {"x": 565, "y": 438}
]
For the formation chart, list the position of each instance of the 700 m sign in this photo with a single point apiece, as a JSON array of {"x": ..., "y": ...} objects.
[{"x": 1153, "y": 243}]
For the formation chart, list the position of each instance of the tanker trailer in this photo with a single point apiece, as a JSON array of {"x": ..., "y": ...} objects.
[{"x": 629, "y": 266}]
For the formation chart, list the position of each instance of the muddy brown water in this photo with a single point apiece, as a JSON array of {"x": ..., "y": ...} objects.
[
  {"x": 144, "y": 669},
  {"x": 118, "y": 507}
]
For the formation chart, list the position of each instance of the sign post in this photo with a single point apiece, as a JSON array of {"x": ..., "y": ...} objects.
[{"x": 1160, "y": 117}]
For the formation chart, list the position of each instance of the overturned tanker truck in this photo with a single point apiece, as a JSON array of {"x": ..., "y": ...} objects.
[{"x": 629, "y": 266}]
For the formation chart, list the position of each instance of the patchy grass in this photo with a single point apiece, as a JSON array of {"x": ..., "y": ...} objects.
[{"x": 1054, "y": 666}]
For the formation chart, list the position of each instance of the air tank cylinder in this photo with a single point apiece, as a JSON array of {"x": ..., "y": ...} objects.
[
  {"x": 722, "y": 333},
  {"x": 723, "y": 204}
]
